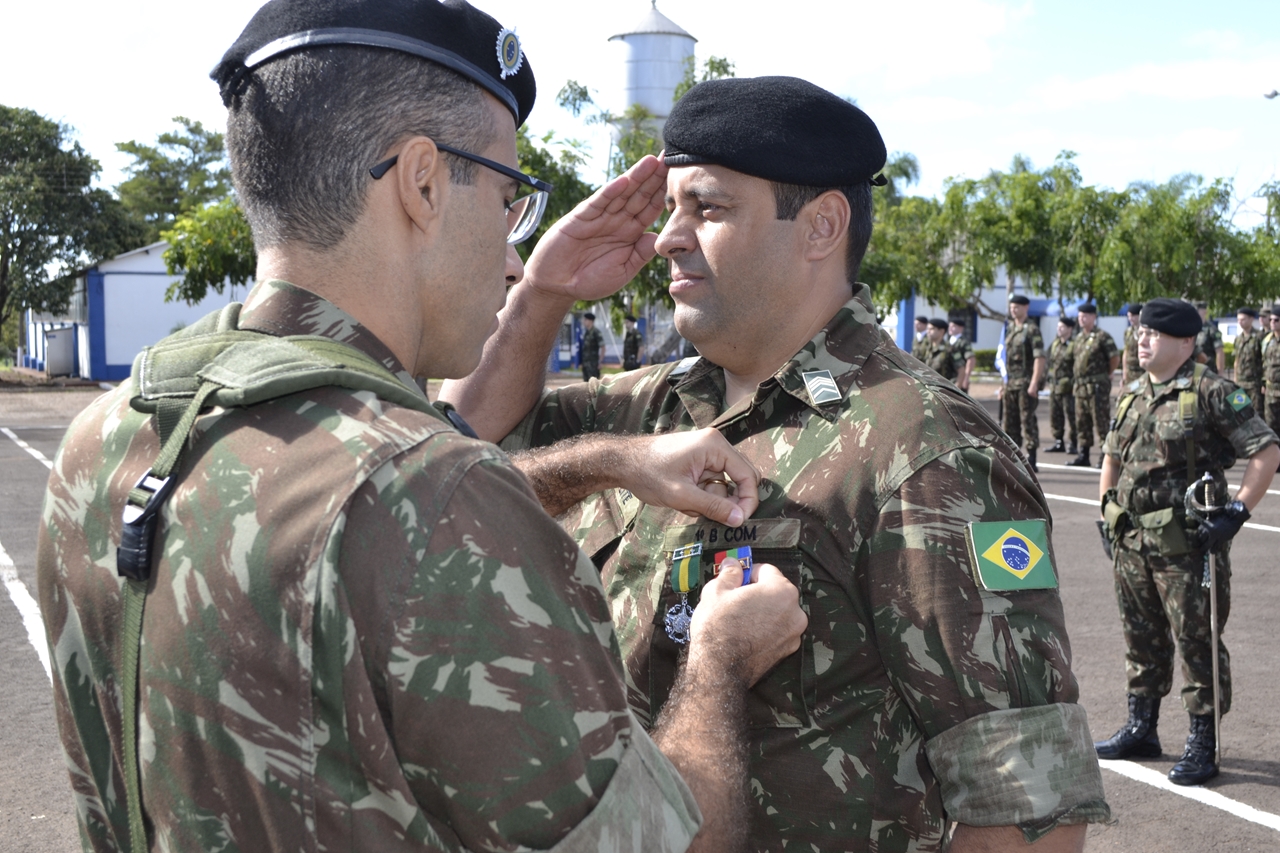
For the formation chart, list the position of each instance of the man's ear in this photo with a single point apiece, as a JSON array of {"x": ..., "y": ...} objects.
[
  {"x": 422, "y": 182},
  {"x": 827, "y": 220}
]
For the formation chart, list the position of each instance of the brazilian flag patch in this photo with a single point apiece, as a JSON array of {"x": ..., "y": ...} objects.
[
  {"x": 1011, "y": 555},
  {"x": 1239, "y": 400}
]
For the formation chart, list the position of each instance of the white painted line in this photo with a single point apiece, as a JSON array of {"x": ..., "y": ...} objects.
[
  {"x": 1200, "y": 794},
  {"x": 1096, "y": 472},
  {"x": 36, "y": 453},
  {"x": 1091, "y": 502},
  {"x": 27, "y": 608}
]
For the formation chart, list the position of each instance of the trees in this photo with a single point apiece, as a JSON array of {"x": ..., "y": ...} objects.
[
  {"x": 51, "y": 218},
  {"x": 185, "y": 170}
]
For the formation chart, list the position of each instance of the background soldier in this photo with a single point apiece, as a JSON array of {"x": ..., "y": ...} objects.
[
  {"x": 1209, "y": 348},
  {"x": 1130, "y": 370},
  {"x": 1248, "y": 353},
  {"x": 1024, "y": 366},
  {"x": 1159, "y": 560},
  {"x": 1062, "y": 401},
  {"x": 920, "y": 344},
  {"x": 589, "y": 349},
  {"x": 963, "y": 349},
  {"x": 1096, "y": 359},
  {"x": 631, "y": 344},
  {"x": 1271, "y": 370},
  {"x": 940, "y": 356}
]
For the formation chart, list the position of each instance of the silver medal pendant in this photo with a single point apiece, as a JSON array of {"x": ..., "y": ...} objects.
[{"x": 678, "y": 620}]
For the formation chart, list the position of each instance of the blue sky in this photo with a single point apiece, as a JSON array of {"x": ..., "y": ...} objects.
[{"x": 1142, "y": 91}]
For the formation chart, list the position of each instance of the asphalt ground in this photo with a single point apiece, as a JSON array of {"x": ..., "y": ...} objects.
[{"x": 1238, "y": 811}]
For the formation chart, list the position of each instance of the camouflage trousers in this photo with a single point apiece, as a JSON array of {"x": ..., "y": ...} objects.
[
  {"x": 1020, "y": 421},
  {"x": 1062, "y": 416},
  {"x": 1093, "y": 411},
  {"x": 1165, "y": 612},
  {"x": 1270, "y": 409}
]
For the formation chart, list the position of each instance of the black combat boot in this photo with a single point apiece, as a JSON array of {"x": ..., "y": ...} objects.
[
  {"x": 1081, "y": 461},
  {"x": 1072, "y": 448},
  {"x": 1031, "y": 454},
  {"x": 1197, "y": 765},
  {"x": 1058, "y": 447},
  {"x": 1137, "y": 738}
]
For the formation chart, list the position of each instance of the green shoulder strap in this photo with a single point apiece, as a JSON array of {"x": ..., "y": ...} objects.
[
  {"x": 215, "y": 363},
  {"x": 1187, "y": 401}
]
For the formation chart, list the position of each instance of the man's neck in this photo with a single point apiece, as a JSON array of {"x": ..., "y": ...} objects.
[{"x": 1165, "y": 376}]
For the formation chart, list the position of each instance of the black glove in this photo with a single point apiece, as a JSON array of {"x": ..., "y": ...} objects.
[
  {"x": 1223, "y": 527},
  {"x": 1106, "y": 540}
]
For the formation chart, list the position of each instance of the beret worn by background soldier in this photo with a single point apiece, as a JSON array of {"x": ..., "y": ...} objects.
[
  {"x": 454, "y": 34},
  {"x": 1171, "y": 317},
  {"x": 1019, "y": 299},
  {"x": 778, "y": 128}
]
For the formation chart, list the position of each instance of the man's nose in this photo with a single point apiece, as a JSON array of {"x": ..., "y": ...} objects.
[{"x": 515, "y": 266}]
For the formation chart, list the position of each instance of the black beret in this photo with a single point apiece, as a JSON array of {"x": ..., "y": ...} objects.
[
  {"x": 1134, "y": 308},
  {"x": 588, "y": 316},
  {"x": 1019, "y": 299},
  {"x": 1087, "y": 308},
  {"x": 938, "y": 322},
  {"x": 1172, "y": 317},
  {"x": 1200, "y": 304},
  {"x": 1275, "y": 309},
  {"x": 1069, "y": 322},
  {"x": 778, "y": 128},
  {"x": 629, "y": 318},
  {"x": 1252, "y": 312},
  {"x": 452, "y": 33}
]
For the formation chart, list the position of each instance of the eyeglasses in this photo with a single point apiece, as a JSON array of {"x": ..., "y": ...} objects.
[
  {"x": 1148, "y": 333},
  {"x": 523, "y": 214}
]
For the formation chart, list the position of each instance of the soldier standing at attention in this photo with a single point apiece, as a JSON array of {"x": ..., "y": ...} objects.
[
  {"x": 909, "y": 519},
  {"x": 342, "y": 622},
  {"x": 1130, "y": 370},
  {"x": 1271, "y": 370},
  {"x": 589, "y": 349},
  {"x": 1062, "y": 402},
  {"x": 1024, "y": 368},
  {"x": 941, "y": 357},
  {"x": 920, "y": 345},
  {"x": 1096, "y": 359},
  {"x": 1209, "y": 348},
  {"x": 963, "y": 348},
  {"x": 1159, "y": 560},
  {"x": 1248, "y": 352},
  {"x": 631, "y": 343}
]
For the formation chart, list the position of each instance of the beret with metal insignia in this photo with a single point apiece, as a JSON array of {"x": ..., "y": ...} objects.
[
  {"x": 452, "y": 33},
  {"x": 781, "y": 129},
  {"x": 1171, "y": 317}
]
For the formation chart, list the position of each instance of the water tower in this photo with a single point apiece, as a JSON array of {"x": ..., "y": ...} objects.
[{"x": 658, "y": 51}]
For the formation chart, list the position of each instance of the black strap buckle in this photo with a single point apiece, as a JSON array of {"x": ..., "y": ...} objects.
[{"x": 133, "y": 557}]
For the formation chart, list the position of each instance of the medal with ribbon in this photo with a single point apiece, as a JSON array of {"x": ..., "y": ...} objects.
[{"x": 686, "y": 574}]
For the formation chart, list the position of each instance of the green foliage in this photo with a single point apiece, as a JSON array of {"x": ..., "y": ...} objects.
[
  {"x": 207, "y": 247},
  {"x": 984, "y": 360},
  {"x": 561, "y": 171},
  {"x": 51, "y": 218},
  {"x": 714, "y": 68},
  {"x": 185, "y": 170}
]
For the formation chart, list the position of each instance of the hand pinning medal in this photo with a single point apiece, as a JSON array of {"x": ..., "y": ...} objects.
[{"x": 686, "y": 574}]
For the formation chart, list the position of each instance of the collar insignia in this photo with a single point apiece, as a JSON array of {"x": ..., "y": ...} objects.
[
  {"x": 510, "y": 54},
  {"x": 822, "y": 387}
]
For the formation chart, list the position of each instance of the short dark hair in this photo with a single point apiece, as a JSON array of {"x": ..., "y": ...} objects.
[
  {"x": 790, "y": 198},
  {"x": 308, "y": 126}
]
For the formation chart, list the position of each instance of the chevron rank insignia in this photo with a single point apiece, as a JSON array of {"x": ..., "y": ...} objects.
[
  {"x": 1010, "y": 555},
  {"x": 822, "y": 387},
  {"x": 1239, "y": 400}
]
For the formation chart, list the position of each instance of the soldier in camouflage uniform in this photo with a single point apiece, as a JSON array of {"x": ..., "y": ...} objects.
[
  {"x": 941, "y": 356},
  {"x": 590, "y": 348},
  {"x": 1130, "y": 369},
  {"x": 1096, "y": 359},
  {"x": 1062, "y": 402},
  {"x": 963, "y": 347},
  {"x": 1248, "y": 354},
  {"x": 631, "y": 344},
  {"x": 915, "y": 688},
  {"x": 920, "y": 343},
  {"x": 1209, "y": 346},
  {"x": 362, "y": 632},
  {"x": 1271, "y": 370},
  {"x": 1024, "y": 373},
  {"x": 1158, "y": 554}
]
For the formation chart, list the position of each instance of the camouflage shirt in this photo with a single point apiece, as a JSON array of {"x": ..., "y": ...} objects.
[
  {"x": 962, "y": 347},
  {"x": 944, "y": 358},
  {"x": 1062, "y": 364},
  {"x": 363, "y": 633},
  {"x": 1209, "y": 342},
  {"x": 592, "y": 343},
  {"x": 1022, "y": 346},
  {"x": 1248, "y": 350},
  {"x": 1132, "y": 368},
  {"x": 1271, "y": 363},
  {"x": 1149, "y": 441},
  {"x": 915, "y": 696},
  {"x": 1094, "y": 351}
]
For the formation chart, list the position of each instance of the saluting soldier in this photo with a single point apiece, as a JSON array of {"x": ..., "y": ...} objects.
[
  {"x": 941, "y": 356},
  {"x": 1271, "y": 370},
  {"x": 1159, "y": 556},
  {"x": 1096, "y": 359},
  {"x": 1131, "y": 370},
  {"x": 1062, "y": 401},
  {"x": 1024, "y": 368},
  {"x": 1248, "y": 352}
]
